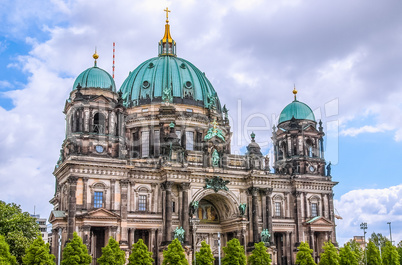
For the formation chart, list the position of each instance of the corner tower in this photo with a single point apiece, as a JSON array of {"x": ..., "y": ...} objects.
[{"x": 298, "y": 145}]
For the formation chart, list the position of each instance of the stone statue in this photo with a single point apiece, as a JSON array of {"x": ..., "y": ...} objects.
[
  {"x": 265, "y": 236},
  {"x": 225, "y": 112},
  {"x": 267, "y": 163},
  {"x": 242, "y": 208},
  {"x": 329, "y": 169},
  {"x": 167, "y": 95},
  {"x": 215, "y": 158},
  {"x": 194, "y": 207},
  {"x": 179, "y": 234}
]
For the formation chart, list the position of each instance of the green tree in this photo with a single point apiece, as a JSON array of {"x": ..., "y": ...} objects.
[
  {"x": 303, "y": 256},
  {"x": 259, "y": 255},
  {"x": 204, "y": 256},
  {"x": 379, "y": 240},
  {"x": 140, "y": 254},
  {"x": 373, "y": 254},
  {"x": 330, "y": 255},
  {"x": 390, "y": 255},
  {"x": 234, "y": 253},
  {"x": 347, "y": 256},
  {"x": 18, "y": 228},
  {"x": 5, "y": 256},
  {"x": 112, "y": 254},
  {"x": 174, "y": 255},
  {"x": 357, "y": 250},
  {"x": 76, "y": 253},
  {"x": 399, "y": 248},
  {"x": 38, "y": 254}
]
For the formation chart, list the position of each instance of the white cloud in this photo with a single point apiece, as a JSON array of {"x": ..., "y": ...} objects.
[
  {"x": 5, "y": 84},
  {"x": 376, "y": 207},
  {"x": 365, "y": 129}
]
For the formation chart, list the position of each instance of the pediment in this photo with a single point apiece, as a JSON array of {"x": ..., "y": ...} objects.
[
  {"x": 319, "y": 221},
  {"x": 310, "y": 128},
  {"x": 101, "y": 213},
  {"x": 101, "y": 99},
  {"x": 56, "y": 214}
]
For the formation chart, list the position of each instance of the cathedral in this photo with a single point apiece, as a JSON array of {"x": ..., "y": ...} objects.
[{"x": 152, "y": 161}]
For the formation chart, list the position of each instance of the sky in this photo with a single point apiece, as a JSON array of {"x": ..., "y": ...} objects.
[{"x": 344, "y": 58}]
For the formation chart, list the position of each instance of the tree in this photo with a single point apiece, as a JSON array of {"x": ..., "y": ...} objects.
[
  {"x": 76, "y": 253},
  {"x": 373, "y": 254},
  {"x": 38, "y": 254},
  {"x": 259, "y": 255},
  {"x": 379, "y": 240},
  {"x": 140, "y": 254},
  {"x": 330, "y": 255},
  {"x": 347, "y": 256},
  {"x": 174, "y": 255},
  {"x": 303, "y": 256},
  {"x": 390, "y": 254},
  {"x": 357, "y": 250},
  {"x": 204, "y": 256},
  {"x": 234, "y": 253},
  {"x": 112, "y": 254},
  {"x": 5, "y": 256},
  {"x": 399, "y": 248},
  {"x": 18, "y": 228}
]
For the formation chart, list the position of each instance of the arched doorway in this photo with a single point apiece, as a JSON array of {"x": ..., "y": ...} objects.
[{"x": 217, "y": 214}]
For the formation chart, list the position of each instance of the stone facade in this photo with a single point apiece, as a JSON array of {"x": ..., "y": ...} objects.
[{"x": 132, "y": 172}]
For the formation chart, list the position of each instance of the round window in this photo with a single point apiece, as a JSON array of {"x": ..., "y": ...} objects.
[
  {"x": 188, "y": 84},
  {"x": 99, "y": 148},
  {"x": 145, "y": 84}
]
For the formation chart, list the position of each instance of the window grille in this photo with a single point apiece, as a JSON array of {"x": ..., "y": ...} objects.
[
  {"x": 190, "y": 141},
  {"x": 277, "y": 209},
  {"x": 98, "y": 199},
  {"x": 142, "y": 203},
  {"x": 145, "y": 144},
  {"x": 314, "y": 211}
]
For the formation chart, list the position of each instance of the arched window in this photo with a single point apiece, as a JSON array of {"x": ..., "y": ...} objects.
[
  {"x": 278, "y": 209},
  {"x": 309, "y": 145},
  {"x": 314, "y": 202},
  {"x": 99, "y": 123}
]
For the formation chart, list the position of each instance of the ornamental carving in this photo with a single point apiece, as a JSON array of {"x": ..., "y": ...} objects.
[{"x": 216, "y": 183}]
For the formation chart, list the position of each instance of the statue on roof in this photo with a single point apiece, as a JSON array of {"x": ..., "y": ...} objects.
[{"x": 214, "y": 131}]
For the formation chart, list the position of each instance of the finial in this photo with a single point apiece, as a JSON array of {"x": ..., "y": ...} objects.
[
  {"x": 171, "y": 125},
  {"x": 294, "y": 91},
  {"x": 252, "y": 136},
  {"x": 167, "y": 14},
  {"x": 95, "y": 56}
]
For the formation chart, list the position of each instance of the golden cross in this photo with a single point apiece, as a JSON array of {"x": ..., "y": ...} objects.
[{"x": 167, "y": 14}]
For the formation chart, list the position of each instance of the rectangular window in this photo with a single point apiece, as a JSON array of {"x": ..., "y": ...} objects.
[
  {"x": 157, "y": 143},
  {"x": 173, "y": 207},
  {"x": 98, "y": 199},
  {"x": 178, "y": 133},
  {"x": 190, "y": 141},
  {"x": 145, "y": 144},
  {"x": 277, "y": 209},
  {"x": 314, "y": 211},
  {"x": 142, "y": 203}
]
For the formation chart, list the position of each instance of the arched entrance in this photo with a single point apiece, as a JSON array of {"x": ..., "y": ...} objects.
[{"x": 217, "y": 213}]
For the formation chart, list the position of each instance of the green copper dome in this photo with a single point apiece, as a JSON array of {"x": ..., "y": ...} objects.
[
  {"x": 298, "y": 110},
  {"x": 171, "y": 79},
  {"x": 95, "y": 77}
]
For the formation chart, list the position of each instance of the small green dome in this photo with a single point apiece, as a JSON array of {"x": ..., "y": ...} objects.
[
  {"x": 95, "y": 77},
  {"x": 168, "y": 78},
  {"x": 298, "y": 110}
]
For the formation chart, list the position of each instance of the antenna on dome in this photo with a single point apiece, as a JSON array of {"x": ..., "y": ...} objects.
[{"x": 114, "y": 49}]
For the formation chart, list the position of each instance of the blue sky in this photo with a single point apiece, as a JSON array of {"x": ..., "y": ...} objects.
[{"x": 344, "y": 57}]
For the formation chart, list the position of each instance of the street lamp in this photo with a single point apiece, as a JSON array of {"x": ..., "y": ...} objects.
[
  {"x": 364, "y": 227},
  {"x": 390, "y": 234}
]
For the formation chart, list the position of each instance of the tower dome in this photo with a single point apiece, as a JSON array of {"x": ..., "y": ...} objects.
[
  {"x": 296, "y": 109},
  {"x": 167, "y": 78},
  {"x": 95, "y": 77}
]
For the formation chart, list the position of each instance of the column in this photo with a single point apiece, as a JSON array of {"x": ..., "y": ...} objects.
[
  {"x": 288, "y": 248},
  {"x": 154, "y": 197},
  {"x": 72, "y": 206},
  {"x": 112, "y": 191},
  {"x": 305, "y": 205},
  {"x": 185, "y": 211},
  {"x": 152, "y": 240},
  {"x": 168, "y": 210},
  {"x": 299, "y": 226},
  {"x": 313, "y": 244},
  {"x": 269, "y": 214},
  {"x": 331, "y": 206},
  {"x": 254, "y": 205},
  {"x": 123, "y": 211},
  {"x": 325, "y": 204},
  {"x": 84, "y": 193},
  {"x": 264, "y": 207}
]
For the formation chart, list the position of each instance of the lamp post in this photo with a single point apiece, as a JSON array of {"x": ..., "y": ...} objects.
[
  {"x": 390, "y": 233},
  {"x": 364, "y": 227}
]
